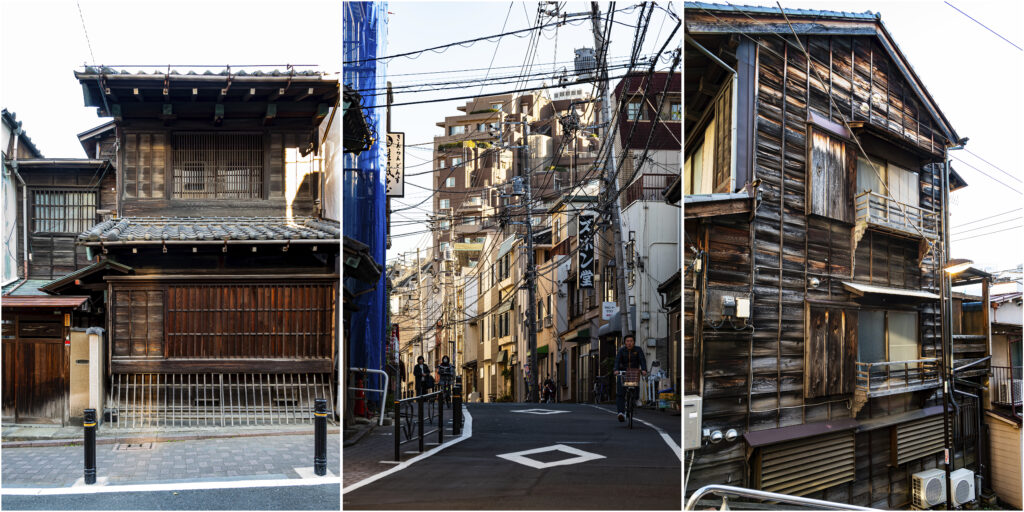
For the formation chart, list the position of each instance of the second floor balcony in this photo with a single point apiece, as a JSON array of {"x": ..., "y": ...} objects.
[
  {"x": 1007, "y": 386},
  {"x": 893, "y": 377},
  {"x": 647, "y": 187},
  {"x": 882, "y": 213}
]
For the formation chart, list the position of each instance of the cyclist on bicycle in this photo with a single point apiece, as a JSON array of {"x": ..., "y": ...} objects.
[
  {"x": 629, "y": 356},
  {"x": 445, "y": 375}
]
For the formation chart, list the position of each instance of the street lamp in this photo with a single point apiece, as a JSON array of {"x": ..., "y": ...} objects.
[{"x": 955, "y": 266}]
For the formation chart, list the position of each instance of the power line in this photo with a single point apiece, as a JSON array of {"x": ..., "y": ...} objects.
[
  {"x": 469, "y": 42},
  {"x": 1013, "y": 219},
  {"x": 992, "y": 164},
  {"x": 986, "y": 234},
  {"x": 985, "y": 174},
  {"x": 986, "y": 218},
  {"x": 985, "y": 27},
  {"x": 87, "y": 41}
]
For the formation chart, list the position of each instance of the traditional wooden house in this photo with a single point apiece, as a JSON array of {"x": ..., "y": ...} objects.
[
  {"x": 815, "y": 191},
  {"x": 218, "y": 272}
]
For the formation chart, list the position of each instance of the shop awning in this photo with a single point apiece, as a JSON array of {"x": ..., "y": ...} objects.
[
  {"x": 506, "y": 246},
  {"x": 502, "y": 357},
  {"x": 542, "y": 351},
  {"x": 614, "y": 325},
  {"x": 860, "y": 289},
  {"x": 505, "y": 306}
]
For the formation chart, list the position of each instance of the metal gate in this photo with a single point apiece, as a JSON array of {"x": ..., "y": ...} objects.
[{"x": 216, "y": 399}]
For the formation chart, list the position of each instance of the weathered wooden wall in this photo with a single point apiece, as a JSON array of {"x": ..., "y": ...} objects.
[{"x": 755, "y": 382}]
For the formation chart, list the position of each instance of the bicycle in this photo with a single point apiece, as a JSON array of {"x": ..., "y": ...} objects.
[
  {"x": 630, "y": 384},
  {"x": 446, "y": 388}
]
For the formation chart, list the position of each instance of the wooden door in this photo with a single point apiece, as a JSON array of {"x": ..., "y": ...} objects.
[{"x": 35, "y": 371}]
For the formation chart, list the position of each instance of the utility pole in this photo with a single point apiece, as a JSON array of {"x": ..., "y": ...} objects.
[
  {"x": 419, "y": 297},
  {"x": 611, "y": 185},
  {"x": 531, "y": 271}
]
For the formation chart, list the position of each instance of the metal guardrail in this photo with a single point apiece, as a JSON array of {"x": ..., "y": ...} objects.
[
  {"x": 383, "y": 391},
  {"x": 881, "y": 211},
  {"x": 410, "y": 416},
  {"x": 764, "y": 495},
  {"x": 1007, "y": 385},
  {"x": 891, "y": 377}
]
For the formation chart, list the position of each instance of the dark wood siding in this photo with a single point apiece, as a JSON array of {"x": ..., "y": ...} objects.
[
  {"x": 138, "y": 323},
  {"x": 35, "y": 368},
  {"x": 145, "y": 166}
]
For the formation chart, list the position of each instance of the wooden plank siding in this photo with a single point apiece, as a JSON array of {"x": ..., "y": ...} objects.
[
  {"x": 1005, "y": 448},
  {"x": 212, "y": 321},
  {"x": 796, "y": 366}
]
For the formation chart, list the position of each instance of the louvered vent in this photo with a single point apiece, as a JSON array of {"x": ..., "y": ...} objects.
[
  {"x": 916, "y": 439},
  {"x": 807, "y": 465}
]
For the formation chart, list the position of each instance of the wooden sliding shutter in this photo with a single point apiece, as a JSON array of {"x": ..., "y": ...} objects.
[
  {"x": 138, "y": 323},
  {"x": 801, "y": 467},
  {"x": 830, "y": 352},
  {"x": 828, "y": 174},
  {"x": 145, "y": 161}
]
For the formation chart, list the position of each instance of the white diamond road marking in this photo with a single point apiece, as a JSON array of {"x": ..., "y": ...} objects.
[
  {"x": 538, "y": 411},
  {"x": 580, "y": 456}
]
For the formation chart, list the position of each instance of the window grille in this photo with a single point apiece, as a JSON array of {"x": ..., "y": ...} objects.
[
  {"x": 218, "y": 166},
  {"x": 63, "y": 210}
]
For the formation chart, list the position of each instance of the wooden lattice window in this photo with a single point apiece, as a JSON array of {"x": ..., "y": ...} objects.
[
  {"x": 218, "y": 166},
  {"x": 63, "y": 210},
  {"x": 138, "y": 323}
]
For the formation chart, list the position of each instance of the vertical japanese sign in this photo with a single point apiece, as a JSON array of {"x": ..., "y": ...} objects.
[
  {"x": 395, "y": 184},
  {"x": 585, "y": 255}
]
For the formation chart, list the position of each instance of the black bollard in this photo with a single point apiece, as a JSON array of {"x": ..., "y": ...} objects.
[
  {"x": 89, "y": 422},
  {"x": 457, "y": 407},
  {"x": 320, "y": 437}
]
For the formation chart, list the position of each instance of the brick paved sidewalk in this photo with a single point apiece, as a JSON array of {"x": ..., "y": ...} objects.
[
  {"x": 238, "y": 458},
  {"x": 374, "y": 452}
]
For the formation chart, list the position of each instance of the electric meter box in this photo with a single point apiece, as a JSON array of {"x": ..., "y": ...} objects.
[{"x": 691, "y": 422}]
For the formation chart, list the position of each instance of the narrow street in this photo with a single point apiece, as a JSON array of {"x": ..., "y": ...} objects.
[{"x": 614, "y": 467}]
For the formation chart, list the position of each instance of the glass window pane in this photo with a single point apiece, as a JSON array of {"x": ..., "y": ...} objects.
[
  {"x": 870, "y": 336},
  {"x": 903, "y": 344}
]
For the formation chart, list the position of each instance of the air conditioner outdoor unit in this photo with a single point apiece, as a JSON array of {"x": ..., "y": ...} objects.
[
  {"x": 962, "y": 482},
  {"x": 928, "y": 488}
]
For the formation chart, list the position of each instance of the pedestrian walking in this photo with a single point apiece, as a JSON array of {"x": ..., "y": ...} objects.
[{"x": 420, "y": 372}]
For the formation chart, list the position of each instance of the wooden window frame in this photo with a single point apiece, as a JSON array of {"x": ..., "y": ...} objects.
[
  {"x": 196, "y": 148},
  {"x": 848, "y": 180}
]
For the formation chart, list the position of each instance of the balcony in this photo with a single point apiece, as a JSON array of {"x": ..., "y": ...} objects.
[
  {"x": 647, "y": 187},
  {"x": 1007, "y": 386},
  {"x": 890, "y": 378},
  {"x": 881, "y": 213}
]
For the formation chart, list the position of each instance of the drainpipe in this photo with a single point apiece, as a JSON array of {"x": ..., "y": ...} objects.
[
  {"x": 733, "y": 117},
  {"x": 946, "y": 356},
  {"x": 24, "y": 202}
]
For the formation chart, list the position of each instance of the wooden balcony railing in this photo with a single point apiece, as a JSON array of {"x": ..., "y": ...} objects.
[
  {"x": 1007, "y": 385},
  {"x": 877, "y": 211},
  {"x": 647, "y": 188},
  {"x": 890, "y": 378}
]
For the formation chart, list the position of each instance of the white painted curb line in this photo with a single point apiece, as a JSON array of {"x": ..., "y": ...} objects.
[
  {"x": 185, "y": 486},
  {"x": 668, "y": 439},
  {"x": 467, "y": 432}
]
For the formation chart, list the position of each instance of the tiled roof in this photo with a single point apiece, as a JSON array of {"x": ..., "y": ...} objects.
[
  {"x": 190, "y": 229},
  {"x": 90, "y": 70},
  {"x": 12, "y": 120},
  {"x": 758, "y": 9}
]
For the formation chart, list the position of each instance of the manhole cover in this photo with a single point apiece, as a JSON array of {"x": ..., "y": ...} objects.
[{"x": 133, "y": 446}]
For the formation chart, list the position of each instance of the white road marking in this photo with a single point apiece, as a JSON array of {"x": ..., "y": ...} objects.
[
  {"x": 580, "y": 456},
  {"x": 307, "y": 472},
  {"x": 184, "y": 486},
  {"x": 538, "y": 411},
  {"x": 467, "y": 432},
  {"x": 664, "y": 435}
]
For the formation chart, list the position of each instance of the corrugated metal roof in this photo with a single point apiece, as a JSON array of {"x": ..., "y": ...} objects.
[
  {"x": 862, "y": 289},
  {"x": 49, "y": 301},
  {"x": 759, "y": 9},
  {"x": 506, "y": 246},
  {"x": 710, "y": 198},
  {"x": 191, "y": 229},
  {"x": 28, "y": 288}
]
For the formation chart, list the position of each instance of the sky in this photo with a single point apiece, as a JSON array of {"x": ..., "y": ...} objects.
[
  {"x": 975, "y": 78},
  {"x": 42, "y": 43},
  {"x": 409, "y": 28}
]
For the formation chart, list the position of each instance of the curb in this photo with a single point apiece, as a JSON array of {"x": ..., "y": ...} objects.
[
  {"x": 356, "y": 438},
  {"x": 156, "y": 438}
]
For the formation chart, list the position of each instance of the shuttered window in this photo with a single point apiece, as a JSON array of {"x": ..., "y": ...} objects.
[
  {"x": 916, "y": 439},
  {"x": 827, "y": 180},
  {"x": 145, "y": 162},
  {"x": 830, "y": 348},
  {"x": 138, "y": 323},
  {"x": 804, "y": 466}
]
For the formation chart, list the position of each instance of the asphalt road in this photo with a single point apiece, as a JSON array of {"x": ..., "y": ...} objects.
[
  {"x": 304, "y": 497},
  {"x": 635, "y": 470}
]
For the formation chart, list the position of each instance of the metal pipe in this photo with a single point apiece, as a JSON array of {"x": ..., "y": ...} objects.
[
  {"x": 968, "y": 365},
  {"x": 944, "y": 297},
  {"x": 782, "y": 498},
  {"x": 24, "y": 201}
]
